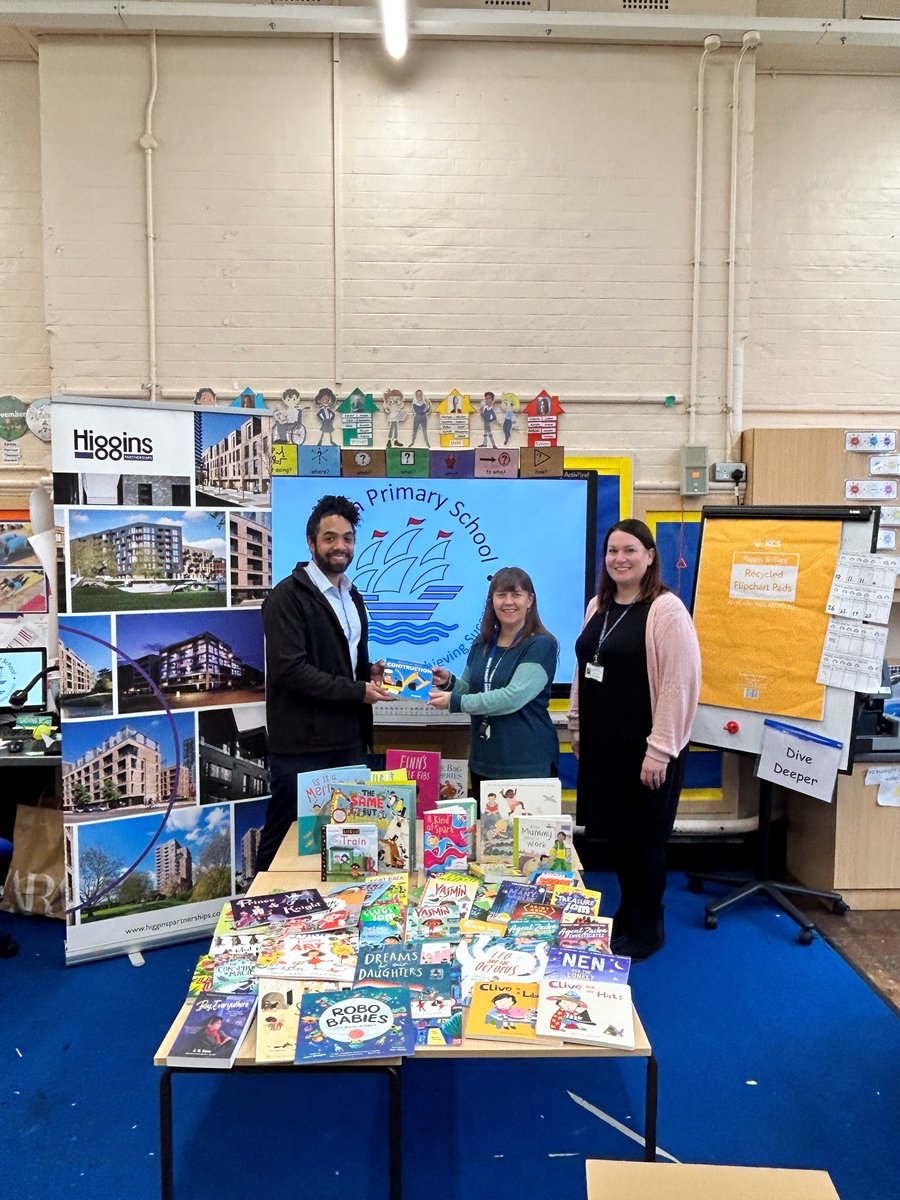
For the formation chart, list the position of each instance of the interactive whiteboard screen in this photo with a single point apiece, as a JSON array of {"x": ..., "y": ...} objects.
[
  {"x": 18, "y": 667},
  {"x": 426, "y": 550}
]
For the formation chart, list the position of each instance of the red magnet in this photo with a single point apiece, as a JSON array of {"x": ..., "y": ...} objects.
[{"x": 731, "y": 727}]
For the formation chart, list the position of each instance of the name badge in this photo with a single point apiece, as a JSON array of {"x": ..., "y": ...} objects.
[{"x": 593, "y": 671}]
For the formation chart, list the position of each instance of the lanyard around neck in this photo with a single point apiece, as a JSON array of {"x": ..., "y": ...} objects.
[
  {"x": 604, "y": 633},
  {"x": 488, "y": 673}
]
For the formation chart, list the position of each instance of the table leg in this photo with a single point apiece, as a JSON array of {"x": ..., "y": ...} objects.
[
  {"x": 166, "y": 1158},
  {"x": 650, "y": 1108},
  {"x": 396, "y": 1142}
]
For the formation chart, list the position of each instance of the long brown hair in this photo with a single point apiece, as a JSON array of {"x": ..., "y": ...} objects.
[
  {"x": 505, "y": 580},
  {"x": 651, "y": 585}
]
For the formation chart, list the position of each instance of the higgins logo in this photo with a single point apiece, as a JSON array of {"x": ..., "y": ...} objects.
[{"x": 112, "y": 449}]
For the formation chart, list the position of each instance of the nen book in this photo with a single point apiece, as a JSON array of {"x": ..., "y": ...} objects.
[
  {"x": 599, "y": 1014},
  {"x": 502, "y": 1011},
  {"x": 542, "y": 843},
  {"x": 406, "y": 680},
  {"x": 444, "y": 840},
  {"x": 423, "y": 769},
  {"x": 349, "y": 851},
  {"x": 392, "y": 808},
  {"x": 213, "y": 1031},
  {"x": 573, "y": 965},
  {"x": 355, "y": 1023},
  {"x": 313, "y": 796}
]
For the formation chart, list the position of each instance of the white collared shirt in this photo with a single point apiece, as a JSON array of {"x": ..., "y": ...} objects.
[{"x": 338, "y": 596}]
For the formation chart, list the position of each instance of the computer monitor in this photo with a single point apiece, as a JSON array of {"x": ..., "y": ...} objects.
[{"x": 19, "y": 668}]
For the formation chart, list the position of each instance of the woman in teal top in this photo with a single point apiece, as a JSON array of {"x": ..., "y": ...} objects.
[{"x": 505, "y": 687}]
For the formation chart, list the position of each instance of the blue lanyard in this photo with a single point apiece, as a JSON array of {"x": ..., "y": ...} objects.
[
  {"x": 488, "y": 673},
  {"x": 603, "y": 632}
]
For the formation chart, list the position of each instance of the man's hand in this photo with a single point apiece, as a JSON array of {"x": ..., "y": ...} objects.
[
  {"x": 440, "y": 676},
  {"x": 439, "y": 699},
  {"x": 375, "y": 692}
]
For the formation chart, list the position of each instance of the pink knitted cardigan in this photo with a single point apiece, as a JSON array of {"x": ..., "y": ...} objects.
[{"x": 673, "y": 669}]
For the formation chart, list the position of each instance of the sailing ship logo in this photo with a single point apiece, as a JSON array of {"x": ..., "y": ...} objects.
[{"x": 402, "y": 579}]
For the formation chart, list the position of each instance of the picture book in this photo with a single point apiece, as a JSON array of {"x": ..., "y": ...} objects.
[
  {"x": 495, "y": 841},
  {"x": 341, "y": 912},
  {"x": 543, "y": 843},
  {"x": 440, "y": 920},
  {"x": 521, "y": 797},
  {"x": 278, "y": 1016},
  {"x": 488, "y": 956},
  {"x": 201, "y": 980},
  {"x": 470, "y": 808},
  {"x": 371, "y": 889},
  {"x": 249, "y": 912},
  {"x": 495, "y": 872},
  {"x": 349, "y": 851},
  {"x": 451, "y": 885},
  {"x": 318, "y": 956},
  {"x": 396, "y": 775},
  {"x": 569, "y": 965},
  {"x": 355, "y": 1023},
  {"x": 212, "y": 1032},
  {"x": 234, "y": 973},
  {"x": 405, "y": 680},
  {"x": 249, "y": 942},
  {"x": 390, "y": 807},
  {"x": 423, "y": 768},
  {"x": 550, "y": 879},
  {"x": 445, "y": 836},
  {"x": 533, "y": 927},
  {"x": 454, "y": 778},
  {"x": 576, "y": 903},
  {"x": 510, "y": 894},
  {"x": 597, "y": 1013},
  {"x": 587, "y": 935},
  {"x": 313, "y": 795},
  {"x": 406, "y": 962},
  {"x": 385, "y": 919},
  {"x": 502, "y": 1011}
]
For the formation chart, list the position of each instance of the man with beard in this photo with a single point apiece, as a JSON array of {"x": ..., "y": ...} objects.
[{"x": 320, "y": 685}]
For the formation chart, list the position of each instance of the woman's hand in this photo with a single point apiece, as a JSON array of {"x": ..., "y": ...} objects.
[
  {"x": 440, "y": 676},
  {"x": 439, "y": 699},
  {"x": 653, "y": 772}
]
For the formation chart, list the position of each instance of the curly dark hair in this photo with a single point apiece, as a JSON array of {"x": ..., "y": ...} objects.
[{"x": 331, "y": 506}]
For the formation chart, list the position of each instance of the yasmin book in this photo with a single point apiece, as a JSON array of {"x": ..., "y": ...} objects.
[
  {"x": 355, "y": 1023},
  {"x": 423, "y": 768},
  {"x": 452, "y": 885},
  {"x": 440, "y": 921},
  {"x": 313, "y": 795},
  {"x": 406, "y": 680},
  {"x": 600, "y": 1014},
  {"x": 502, "y": 1011},
  {"x": 542, "y": 843},
  {"x": 349, "y": 851},
  {"x": 445, "y": 835},
  {"x": 212, "y": 1032}
]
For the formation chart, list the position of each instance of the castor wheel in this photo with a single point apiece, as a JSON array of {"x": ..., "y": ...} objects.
[
  {"x": 694, "y": 884},
  {"x": 840, "y": 907},
  {"x": 806, "y": 937},
  {"x": 712, "y": 921}
]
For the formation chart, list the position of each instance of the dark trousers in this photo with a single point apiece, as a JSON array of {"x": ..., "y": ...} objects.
[{"x": 282, "y": 810}]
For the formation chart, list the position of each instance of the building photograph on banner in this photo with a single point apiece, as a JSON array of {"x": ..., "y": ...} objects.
[
  {"x": 759, "y": 611},
  {"x": 164, "y": 555}
]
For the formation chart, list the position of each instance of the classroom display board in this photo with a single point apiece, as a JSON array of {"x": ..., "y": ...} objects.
[
  {"x": 164, "y": 542},
  {"x": 760, "y": 597}
]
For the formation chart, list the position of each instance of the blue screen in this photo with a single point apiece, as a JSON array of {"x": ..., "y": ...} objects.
[
  {"x": 17, "y": 668},
  {"x": 427, "y": 548}
]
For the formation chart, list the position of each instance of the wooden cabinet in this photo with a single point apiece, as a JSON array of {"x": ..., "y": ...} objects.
[{"x": 800, "y": 466}]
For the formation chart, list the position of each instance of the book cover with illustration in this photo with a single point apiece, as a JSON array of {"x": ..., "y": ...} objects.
[
  {"x": 391, "y": 807},
  {"x": 445, "y": 838},
  {"x": 355, "y": 1023},
  {"x": 600, "y": 1014},
  {"x": 438, "y": 921},
  {"x": 313, "y": 795},
  {"x": 423, "y": 768},
  {"x": 349, "y": 851},
  {"x": 201, "y": 980},
  {"x": 543, "y": 843},
  {"x": 593, "y": 935},
  {"x": 384, "y": 920},
  {"x": 406, "y": 680},
  {"x": 503, "y": 1011},
  {"x": 454, "y": 783},
  {"x": 234, "y": 973},
  {"x": 570, "y": 965},
  {"x": 521, "y": 797},
  {"x": 452, "y": 885},
  {"x": 250, "y": 912},
  {"x": 576, "y": 903},
  {"x": 278, "y": 1015},
  {"x": 470, "y": 808},
  {"x": 434, "y": 991},
  {"x": 330, "y": 956},
  {"x": 341, "y": 912},
  {"x": 213, "y": 1031},
  {"x": 487, "y": 956},
  {"x": 511, "y": 894}
]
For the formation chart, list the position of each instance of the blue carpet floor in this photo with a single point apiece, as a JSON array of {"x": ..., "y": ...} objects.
[{"x": 771, "y": 1054}]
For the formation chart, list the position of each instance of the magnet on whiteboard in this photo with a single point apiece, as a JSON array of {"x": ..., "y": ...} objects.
[{"x": 731, "y": 727}]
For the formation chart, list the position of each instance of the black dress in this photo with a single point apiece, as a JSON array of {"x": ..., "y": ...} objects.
[{"x": 615, "y": 719}]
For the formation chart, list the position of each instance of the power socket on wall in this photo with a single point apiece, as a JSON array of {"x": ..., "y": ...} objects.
[{"x": 728, "y": 472}]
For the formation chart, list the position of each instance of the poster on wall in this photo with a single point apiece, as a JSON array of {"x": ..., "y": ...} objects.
[{"x": 164, "y": 555}]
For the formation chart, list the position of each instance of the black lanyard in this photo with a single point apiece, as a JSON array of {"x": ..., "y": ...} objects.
[{"x": 603, "y": 632}]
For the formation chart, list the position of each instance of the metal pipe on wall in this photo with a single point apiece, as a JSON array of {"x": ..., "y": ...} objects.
[
  {"x": 148, "y": 144},
  {"x": 337, "y": 170}
]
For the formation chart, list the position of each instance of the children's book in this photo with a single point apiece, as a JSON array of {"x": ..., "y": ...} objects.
[
  {"x": 202, "y": 978},
  {"x": 320, "y": 956},
  {"x": 542, "y": 843},
  {"x": 406, "y": 962},
  {"x": 341, "y": 912},
  {"x": 495, "y": 841},
  {"x": 454, "y": 778},
  {"x": 597, "y": 1013},
  {"x": 570, "y": 965},
  {"x": 372, "y": 889},
  {"x": 278, "y": 1015},
  {"x": 521, "y": 797},
  {"x": 434, "y": 991},
  {"x": 423, "y": 768},
  {"x": 470, "y": 808},
  {"x": 349, "y": 851},
  {"x": 576, "y": 903},
  {"x": 511, "y": 894},
  {"x": 249, "y": 912},
  {"x": 496, "y": 872},
  {"x": 445, "y": 836},
  {"x": 313, "y": 796},
  {"x": 385, "y": 919},
  {"x": 390, "y": 807},
  {"x": 396, "y": 775},
  {"x": 492, "y": 957},
  {"x": 213, "y": 1031},
  {"x": 452, "y": 885},
  {"x": 234, "y": 973},
  {"x": 534, "y": 928},
  {"x": 550, "y": 879},
  {"x": 405, "y": 680},
  {"x": 355, "y": 1023},
  {"x": 502, "y": 1011},
  {"x": 440, "y": 921},
  {"x": 587, "y": 935}
]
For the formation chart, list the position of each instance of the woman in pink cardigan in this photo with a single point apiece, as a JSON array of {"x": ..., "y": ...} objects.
[{"x": 634, "y": 697}]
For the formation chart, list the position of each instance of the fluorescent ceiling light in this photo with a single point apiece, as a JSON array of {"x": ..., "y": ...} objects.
[{"x": 393, "y": 19}]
